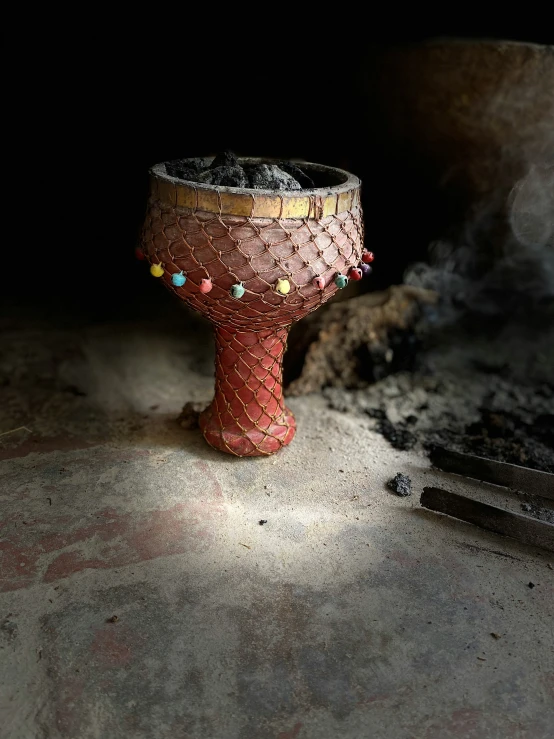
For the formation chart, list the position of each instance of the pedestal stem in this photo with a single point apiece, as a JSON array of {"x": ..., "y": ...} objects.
[{"x": 247, "y": 416}]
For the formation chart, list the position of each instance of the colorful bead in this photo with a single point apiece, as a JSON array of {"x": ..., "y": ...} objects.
[
  {"x": 178, "y": 279},
  {"x": 341, "y": 281},
  {"x": 139, "y": 254},
  {"x": 368, "y": 256},
  {"x": 157, "y": 270},
  {"x": 355, "y": 274},
  {"x": 205, "y": 285},
  {"x": 318, "y": 282},
  {"x": 282, "y": 287},
  {"x": 237, "y": 291},
  {"x": 366, "y": 269}
]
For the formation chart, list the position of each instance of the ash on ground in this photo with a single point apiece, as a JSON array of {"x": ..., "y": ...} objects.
[
  {"x": 537, "y": 511},
  {"x": 227, "y": 171},
  {"x": 190, "y": 415},
  {"x": 400, "y": 484},
  {"x": 488, "y": 393}
]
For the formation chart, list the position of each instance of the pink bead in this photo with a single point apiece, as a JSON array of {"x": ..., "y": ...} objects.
[
  {"x": 319, "y": 282},
  {"x": 205, "y": 285}
]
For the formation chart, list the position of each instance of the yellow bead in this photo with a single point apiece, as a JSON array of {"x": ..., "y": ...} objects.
[
  {"x": 283, "y": 287},
  {"x": 157, "y": 270}
]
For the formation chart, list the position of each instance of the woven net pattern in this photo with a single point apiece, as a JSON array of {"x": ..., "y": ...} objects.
[
  {"x": 256, "y": 252},
  {"x": 247, "y": 416}
]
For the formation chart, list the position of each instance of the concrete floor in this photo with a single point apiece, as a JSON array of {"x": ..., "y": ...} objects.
[{"x": 141, "y": 598}]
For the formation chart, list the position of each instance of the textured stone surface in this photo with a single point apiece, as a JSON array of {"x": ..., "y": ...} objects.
[
  {"x": 350, "y": 613},
  {"x": 333, "y": 347}
]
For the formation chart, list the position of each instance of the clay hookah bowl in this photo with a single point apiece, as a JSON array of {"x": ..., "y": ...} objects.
[{"x": 252, "y": 262}]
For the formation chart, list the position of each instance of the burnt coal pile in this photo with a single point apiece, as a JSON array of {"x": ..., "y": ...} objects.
[
  {"x": 227, "y": 171},
  {"x": 509, "y": 437}
]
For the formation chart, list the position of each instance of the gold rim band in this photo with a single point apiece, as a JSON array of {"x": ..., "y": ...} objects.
[{"x": 316, "y": 204}]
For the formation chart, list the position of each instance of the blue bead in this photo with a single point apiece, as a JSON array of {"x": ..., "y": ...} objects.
[
  {"x": 178, "y": 279},
  {"x": 237, "y": 291}
]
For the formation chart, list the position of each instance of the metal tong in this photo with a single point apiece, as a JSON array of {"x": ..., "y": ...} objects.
[{"x": 492, "y": 518}]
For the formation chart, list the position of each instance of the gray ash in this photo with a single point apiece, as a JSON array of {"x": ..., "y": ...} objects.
[
  {"x": 400, "y": 484},
  {"x": 304, "y": 180},
  {"x": 190, "y": 414},
  {"x": 224, "y": 159},
  {"x": 538, "y": 512},
  {"x": 227, "y": 171},
  {"x": 487, "y": 395},
  {"x": 397, "y": 435},
  {"x": 510, "y": 437},
  {"x": 374, "y": 362},
  {"x": 185, "y": 169},
  {"x": 270, "y": 177},
  {"x": 228, "y": 176}
]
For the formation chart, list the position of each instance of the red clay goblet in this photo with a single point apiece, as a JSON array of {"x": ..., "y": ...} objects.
[{"x": 249, "y": 260}]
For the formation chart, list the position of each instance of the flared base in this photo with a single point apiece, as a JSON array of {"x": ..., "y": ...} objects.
[{"x": 249, "y": 442}]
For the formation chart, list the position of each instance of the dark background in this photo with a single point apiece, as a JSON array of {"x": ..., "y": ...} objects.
[{"x": 104, "y": 109}]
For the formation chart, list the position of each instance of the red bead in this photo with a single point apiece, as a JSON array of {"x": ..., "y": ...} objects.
[
  {"x": 355, "y": 274},
  {"x": 205, "y": 285},
  {"x": 368, "y": 257},
  {"x": 139, "y": 254}
]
